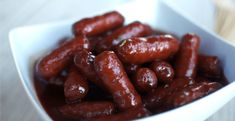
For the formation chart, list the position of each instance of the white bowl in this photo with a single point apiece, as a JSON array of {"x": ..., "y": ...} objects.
[{"x": 30, "y": 43}]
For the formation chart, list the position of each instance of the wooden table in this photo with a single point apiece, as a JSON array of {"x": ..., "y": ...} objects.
[{"x": 14, "y": 103}]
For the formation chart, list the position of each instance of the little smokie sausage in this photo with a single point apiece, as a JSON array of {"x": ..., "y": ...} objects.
[
  {"x": 187, "y": 58},
  {"x": 163, "y": 70},
  {"x": 135, "y": 29},
  {"x": 57, "y": 60},
  {"x": 140, "y": 50},
  {"x": 131, "y": 114},
  {"x": 145, "y": 80},
  {"x": 84, "y": 61},
  {"x": 156, "y": 97},
  {"x": 98, "y": 24},
  {"x": 191, "y": 93},
  {"x": 75, "y": 86},
  {"x": 115, "y": 79},
  {"x": 87, "y": 109},
  {"x": 209, "y": 66}
]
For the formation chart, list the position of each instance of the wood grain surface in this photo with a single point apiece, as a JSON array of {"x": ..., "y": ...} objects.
[{"x": 14, "y": 103}]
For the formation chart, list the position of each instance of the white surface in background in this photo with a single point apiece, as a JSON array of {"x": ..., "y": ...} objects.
[{"x": 200, "y": 11}]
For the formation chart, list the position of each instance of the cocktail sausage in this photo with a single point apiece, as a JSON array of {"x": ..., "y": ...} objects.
[
  {"x": 115, "y": 79},
  {"x": 59, "y": 58},
  {"x": 187, "y": 58},
  {"x": 140, "y": 50},
  {"x": 98, "y": 24}
]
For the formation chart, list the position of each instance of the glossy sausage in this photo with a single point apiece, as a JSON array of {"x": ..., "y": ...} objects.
[
  {"x": 53, "y": 63},
  {"x": 145, "y": 80},
  {"x": 75, "y": 86},
  {"x": 140, "y": 50},
  {"x": 163, "y": 70},
  {"x": 98, "y": 24},
  {"x": 84, "y": 61},
  {"x": 209, "y": 66},
  {"x": 187, "y": 58},
  {"x": 131, "y": 114},
  {"x": 135, "y": 29},
  {"x": 87, "y": 109},
  {"x": 115, "y": 79},
  {"x": 155, "y": 99},
  {"x": 192, "y": 93},
  {"x": 87, "y": 77}
]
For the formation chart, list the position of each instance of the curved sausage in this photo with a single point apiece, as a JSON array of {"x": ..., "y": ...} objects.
[
  {"x": 191, "y": 93},
  {"x": 145, "y": 80},
  {"x": 87, "y": 109},
  {"x": 163, "y": 70},
  {"x": 135, "y": 29},
  {"x": 75, "y": 86},
  {"x": 98, "y": 24},
  {"x": 141, "y": 50},
  {"x": 58, "y": 59},
  {"x": 187, "y": 58},
  {"x": 115, "y": 79},
  {"x": 155, "y": 99}
]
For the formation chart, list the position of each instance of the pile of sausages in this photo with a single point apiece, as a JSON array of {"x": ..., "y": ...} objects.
[{"x": 143, "y": 71}]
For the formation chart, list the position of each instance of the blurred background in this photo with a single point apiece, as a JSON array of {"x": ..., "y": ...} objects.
[{"x": 214, "y": 15}]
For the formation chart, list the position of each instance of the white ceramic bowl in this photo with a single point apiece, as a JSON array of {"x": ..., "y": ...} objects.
[{"x": 30, "y": 43}]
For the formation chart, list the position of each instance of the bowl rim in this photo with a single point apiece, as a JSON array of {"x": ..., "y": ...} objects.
[{"x": 38, "y": 107}]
